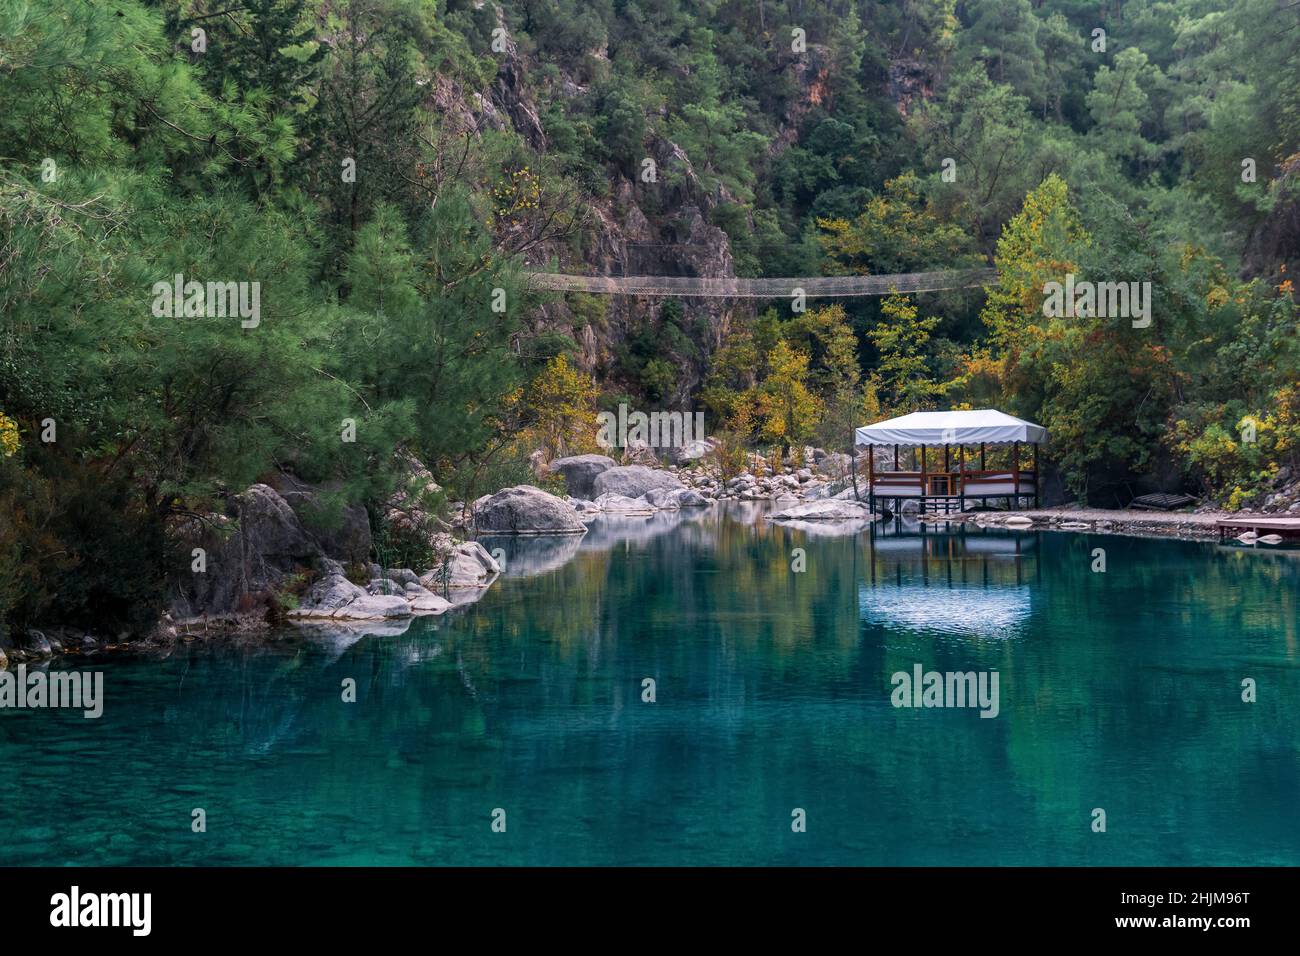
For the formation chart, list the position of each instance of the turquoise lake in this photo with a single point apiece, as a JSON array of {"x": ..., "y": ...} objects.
[{"x": 1119, "y": 690}]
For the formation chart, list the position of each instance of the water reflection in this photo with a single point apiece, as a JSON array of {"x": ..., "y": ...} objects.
[{"x": 1119, "y": 689}]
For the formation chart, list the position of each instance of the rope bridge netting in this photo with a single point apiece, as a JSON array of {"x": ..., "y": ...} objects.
[{"x": 733, "y": 288}]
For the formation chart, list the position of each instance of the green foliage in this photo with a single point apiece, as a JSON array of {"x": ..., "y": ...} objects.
[{"x": 393, "y": 298}]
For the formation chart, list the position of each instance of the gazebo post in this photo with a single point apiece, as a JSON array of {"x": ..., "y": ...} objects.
[
  {"x": 961, "y": 478},
  {"x": 871, "y": 480},
  {"x": 1035, "y": 475},
  {"x": 923, "y": 488},
  {"x": 1015, "y": 472},
  {"x": 897, "y": 511},
  {"x": 982, "y": 466},
  {"x": 947, "y": 479}
]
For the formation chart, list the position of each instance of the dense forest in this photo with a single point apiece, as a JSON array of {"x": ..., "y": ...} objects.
[{"x": 386, "y": 172}]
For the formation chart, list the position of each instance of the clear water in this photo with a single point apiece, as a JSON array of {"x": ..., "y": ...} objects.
[{"x": 1118, "y": 690}]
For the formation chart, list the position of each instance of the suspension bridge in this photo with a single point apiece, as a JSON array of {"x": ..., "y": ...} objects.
[{"x": 813, "y": 287}]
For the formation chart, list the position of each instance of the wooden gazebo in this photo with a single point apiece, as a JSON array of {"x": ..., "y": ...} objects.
[{"x": 949, "y": 484}]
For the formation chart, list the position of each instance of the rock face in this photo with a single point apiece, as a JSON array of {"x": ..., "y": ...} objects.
[
  {"x": 525, "y": 509},
  {"x": 247, "y": 556},
  {"x": 342, "y": 530},
  {"x": 580, "y": 472},
  {"x": 633, "y": 481},
  {"x": 830, "y": 509}
]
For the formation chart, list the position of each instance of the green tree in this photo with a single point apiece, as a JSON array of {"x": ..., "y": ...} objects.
[{"x": 902, "y": 376}]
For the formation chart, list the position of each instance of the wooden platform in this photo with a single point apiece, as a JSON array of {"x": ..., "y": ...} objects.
[
  {"x": 1161, "y": 502},
  {"x": 1286, "y": 527}
]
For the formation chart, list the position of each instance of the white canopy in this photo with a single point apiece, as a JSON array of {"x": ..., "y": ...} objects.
[{"x": 970, "y": 427}]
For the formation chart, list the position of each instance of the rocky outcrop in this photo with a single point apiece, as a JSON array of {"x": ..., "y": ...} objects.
[
  {"x": 525, "y": 509},
  {"x": 468, "y": 566},
  {"x": 246, "y": 557},
  {"x": 633, "y": 481},
  {"x": 580, "y": 472},
  {"x": 333, "y": 597},
  {"x": 512, "y": 92}
]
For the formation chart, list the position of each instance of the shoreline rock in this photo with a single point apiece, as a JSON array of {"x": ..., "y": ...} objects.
[
  {"x": 633, "y": 481},
  {"x": 525, "y": 509},
  {"x": 581, "y": 471}
]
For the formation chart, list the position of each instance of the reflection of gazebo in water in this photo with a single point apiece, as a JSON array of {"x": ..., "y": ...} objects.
[
  {"x": 949, "y": 487},
  {"x": 960, "y": 579},
  {"x": 956, "y": 554}
]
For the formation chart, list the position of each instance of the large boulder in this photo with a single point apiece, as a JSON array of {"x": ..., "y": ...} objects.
[
  {"x": 580, "y": 472},
  {"x": 587, "y": 510},
  {"x": 633, "y": 481},
  {"x": 672, "y": 499},
  {"x": 525, "y": 509},
  {"x": 693, "y": 450}
]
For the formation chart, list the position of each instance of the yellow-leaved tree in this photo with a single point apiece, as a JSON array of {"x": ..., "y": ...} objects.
[
  {"x": 8, "y": 435},
  {"x": 562, "y": 403},
  {"x": 788, "y": 409}
]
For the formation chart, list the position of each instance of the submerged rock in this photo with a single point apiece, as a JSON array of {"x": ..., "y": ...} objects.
[
  {"x": 827, "y": 509},
  {"x": 622, "y": 505},
  {"x": 525, "y": 509},
  {"x": 424, "y": 601},
  {"x": 633, "y": 481}
]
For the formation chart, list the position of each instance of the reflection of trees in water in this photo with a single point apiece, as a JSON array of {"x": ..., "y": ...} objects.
[{"x": 773, "y": 692}]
